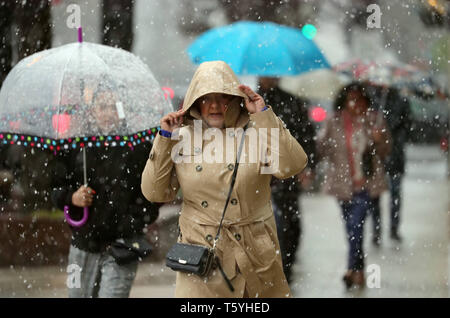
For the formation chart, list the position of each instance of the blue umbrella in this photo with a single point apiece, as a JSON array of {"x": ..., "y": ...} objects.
[{"x": 259, "y": 48}]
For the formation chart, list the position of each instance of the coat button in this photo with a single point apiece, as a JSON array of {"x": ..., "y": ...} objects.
[
  {"x": 209, "y": 237},
  {"x": 152, "y": 155},
  {"x": 205, "y": 204},
  {"x": 237, "y": 236},
  {"x": 233, "y": 201},
  {"x": 198, "y": 168},
  {"x": 231, "y": 134},
  {"x": 197, "y": 150},
  {"x": 231, "y": 167}
]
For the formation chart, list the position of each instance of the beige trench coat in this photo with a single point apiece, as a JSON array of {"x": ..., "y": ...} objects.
[{"x": 248, "y": 247}]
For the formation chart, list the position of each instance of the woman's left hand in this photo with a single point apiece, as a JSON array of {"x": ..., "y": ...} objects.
[{"x": 253, "y": 102}]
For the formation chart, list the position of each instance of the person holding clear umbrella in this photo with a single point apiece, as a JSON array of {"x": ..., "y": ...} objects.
[
  {"x": 95, "y": 108},
  {"x": 117, "y": 210}
]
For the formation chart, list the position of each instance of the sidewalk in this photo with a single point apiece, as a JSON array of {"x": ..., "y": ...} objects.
[
  {"x": 419, "y": 267},
  {"x": 153, "y": 278}
]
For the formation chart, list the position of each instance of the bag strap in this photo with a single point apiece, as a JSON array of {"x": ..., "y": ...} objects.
[
  {"x": 233, "y": 180},
  {"x": 227, "y": 280}
]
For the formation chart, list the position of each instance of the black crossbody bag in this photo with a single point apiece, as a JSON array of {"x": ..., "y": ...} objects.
[{"x": 199, "y": 259}]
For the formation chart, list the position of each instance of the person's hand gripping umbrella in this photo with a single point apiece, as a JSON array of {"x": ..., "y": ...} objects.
[{"x": 82, "y": 198}]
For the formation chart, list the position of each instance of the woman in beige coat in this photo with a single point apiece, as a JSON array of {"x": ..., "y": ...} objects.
[{"x": 248, "y": 247}]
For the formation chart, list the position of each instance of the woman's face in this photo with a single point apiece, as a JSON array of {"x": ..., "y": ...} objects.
[
  {"x": 356, "y": 103},
  {"x": 213, "y": 107}
]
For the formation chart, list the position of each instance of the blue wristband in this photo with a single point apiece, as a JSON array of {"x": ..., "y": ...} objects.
[
  {"x": 265, "y": 107},
  {"x": 165, "y": 133}
]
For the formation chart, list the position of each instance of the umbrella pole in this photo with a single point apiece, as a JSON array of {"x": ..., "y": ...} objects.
[
  {"x": 84, "y": 167},
  {"x": 69, "y": 220},
  {"x": 80, "y": 40}
]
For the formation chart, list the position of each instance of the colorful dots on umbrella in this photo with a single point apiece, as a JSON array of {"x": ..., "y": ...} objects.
[
  {"x": 309, "y": 31},
  {"x": 78, "y": 142}
]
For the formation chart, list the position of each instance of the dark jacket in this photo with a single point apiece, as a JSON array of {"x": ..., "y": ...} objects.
[
  {"x": 119, "y": 209},
  {"x": 293, "y": 112},
  {"x": 397, "y": 114}
]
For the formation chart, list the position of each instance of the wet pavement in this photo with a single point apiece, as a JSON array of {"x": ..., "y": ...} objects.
[{"x": 418, "y": 267}]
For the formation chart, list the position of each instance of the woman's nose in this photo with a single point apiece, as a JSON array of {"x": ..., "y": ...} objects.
[{"x": 214, "y": 104}]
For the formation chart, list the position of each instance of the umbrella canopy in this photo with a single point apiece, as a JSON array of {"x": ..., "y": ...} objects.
[
  {"x": 259, "y": 48},
  {"x": 400, "y": 75},
  {"x": 377, "y": 73},
  {"x": 80, "y": 94}
]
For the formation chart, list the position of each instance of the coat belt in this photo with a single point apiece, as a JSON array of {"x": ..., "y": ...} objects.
[{"x": 232, "y": 252}]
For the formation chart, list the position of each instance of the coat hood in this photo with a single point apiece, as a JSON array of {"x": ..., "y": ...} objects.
[{"x": 216, "y": 77}]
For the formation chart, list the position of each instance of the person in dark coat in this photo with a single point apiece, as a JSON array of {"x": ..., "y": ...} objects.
[
  {"x": 285, "y": 193},
  {"x": 397, "y": 114},
  {"x": 117, "y": 208}
]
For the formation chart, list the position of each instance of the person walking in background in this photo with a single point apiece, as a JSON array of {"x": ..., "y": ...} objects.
[
  {"x": 397, "y": 114},
  {"x": 248, "y": 248},
  {"x": 293, "y": 112},
  {"x": 355, "y": 145}
]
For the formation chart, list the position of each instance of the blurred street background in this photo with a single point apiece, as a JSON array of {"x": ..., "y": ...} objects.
[{"x": 413, "y": 37}]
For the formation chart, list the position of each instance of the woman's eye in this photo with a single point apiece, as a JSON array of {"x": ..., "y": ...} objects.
[{"x": 225, "y": 99}]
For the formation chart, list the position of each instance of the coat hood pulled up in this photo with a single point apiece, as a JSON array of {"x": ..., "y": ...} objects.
[{"x": 216, "y": 77}]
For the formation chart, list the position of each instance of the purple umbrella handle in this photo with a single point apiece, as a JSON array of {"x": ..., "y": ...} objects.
[{"x": 74, "y": 223}]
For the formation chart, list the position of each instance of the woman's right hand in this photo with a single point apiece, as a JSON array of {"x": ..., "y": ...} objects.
[
  {"x": 172, "y": 120},
  {"x": 83, "y": 197}
]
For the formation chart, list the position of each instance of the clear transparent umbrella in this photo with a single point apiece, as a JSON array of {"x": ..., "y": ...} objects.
[
  {"x": 80, "y": 95},
  {"x": 54, "y": 95}
]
